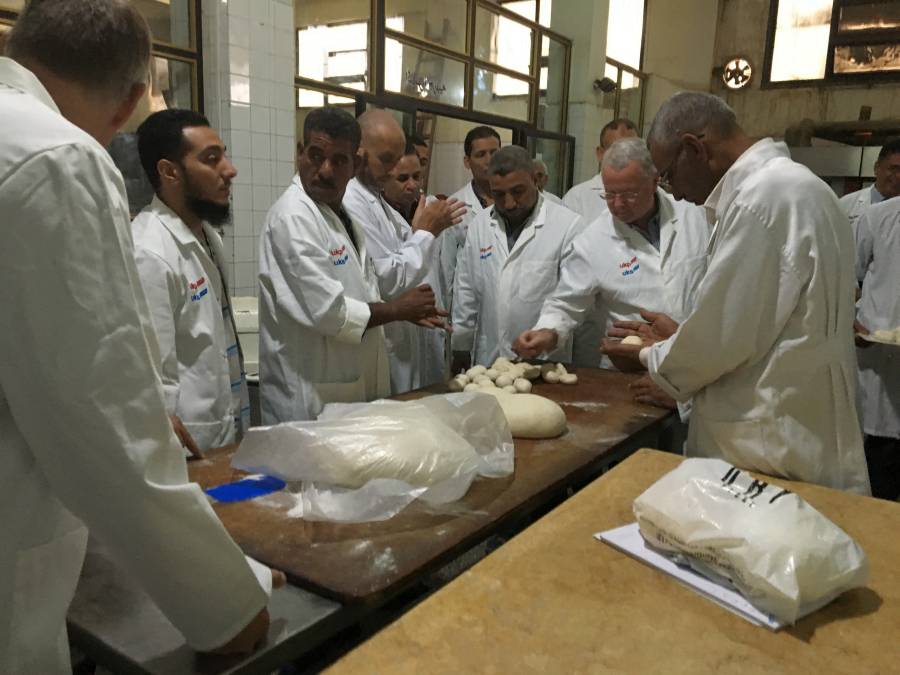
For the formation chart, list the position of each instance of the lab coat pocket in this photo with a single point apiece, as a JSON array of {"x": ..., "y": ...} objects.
[
  {"x": 536, "y": 280},
  {"x": 341, "y": 392},
  {"x": 742, "y": 443}
]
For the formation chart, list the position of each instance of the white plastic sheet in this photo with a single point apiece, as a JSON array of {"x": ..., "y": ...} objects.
[
  {"x": 363, "y": 462},
  {"x": 777, "y": 550}
]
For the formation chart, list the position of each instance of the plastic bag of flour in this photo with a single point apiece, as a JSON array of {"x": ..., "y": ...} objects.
[
  {"x": 778, "y": 551},
  {"x": 361, "y": 462}
]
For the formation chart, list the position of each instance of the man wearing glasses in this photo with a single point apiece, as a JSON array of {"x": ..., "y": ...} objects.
[{"x": 647, "y": 252}]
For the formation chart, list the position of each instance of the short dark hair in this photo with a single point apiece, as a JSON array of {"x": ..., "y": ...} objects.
[
  {"x": 477, "y": 133},
  {"x": 417, "y": 139},
  {"x": 891, "y": 147},
  {"x": 615, "y": 124},
  {"x": 337, "y": 123},
  {"x": 101, "y": 44},
  {"x": 161, "y": 136}
]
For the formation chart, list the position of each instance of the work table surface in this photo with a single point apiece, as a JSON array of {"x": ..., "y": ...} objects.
[
  {"x": 365, "y": 562},
  {"x": 554, "y": 599}
]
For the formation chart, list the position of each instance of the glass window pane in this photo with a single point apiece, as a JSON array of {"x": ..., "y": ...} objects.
[
  {"x": 552, "y": 84},
  {"x": 867, "y": 59},
  {"x": 447, "y": 172},
  {"x": 554, "y": 154},
  {"x": 171, "y": 86},
  {"x": 442, "y": 22},
  {"x": 631, "y": 98},
  {"x": 415, "y": 72},
  {"x": 870, "y": 16},
  {"x": 524, "y": 8},
  {"x": 170, "y": 22},
  {"x": 333, "y": 41},
  {"x": 801, "y": 40},
  {"x": 502, "y": 41},
  {"x": 625, "y": 31},
  {"x": 500, "y": 94},
  {"x": 546, "y": 12}
]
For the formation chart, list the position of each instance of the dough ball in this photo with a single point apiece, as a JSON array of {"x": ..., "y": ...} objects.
[
  {"x": 522, "y": 385},
  {"x": 531, "y": 416},
  {"x": 509, "y": 389},
  {"x": 502, "y": 363},
  {"x": 486, "y": 384},
  {"x": 479, "y": 379},
  {"x": 503, "y": 380},
  {"x": 471, "y": 387},
  {"x": 632, "y": 340},
  {"x": 475, "y": 370},
  {"x": 552, "y": 376},
  {"x": 568, "y": 378},
  {"x": 491, "y": 373},
  {"x": 561, "y": 369},
  {"x": 886, "y": 335},
  {"x": 456, "y": 385},
  {"x": 547, "y": 368}
]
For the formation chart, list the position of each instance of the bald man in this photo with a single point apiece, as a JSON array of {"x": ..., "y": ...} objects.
[{"x": 402, "y": 253}]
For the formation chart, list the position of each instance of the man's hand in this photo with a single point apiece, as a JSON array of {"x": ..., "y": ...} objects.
[
  {"x": 415, "y": 304},
  {"x": 436, "y": 321},
  {"x": 624, "y": 357},
  {"x": 658, "y": 327},
  {"x": 438, "y": 215},
  {"x": 859, "y": 329},
  {"x": 533, "y": 343},
  {"x": 460, "y": 362},
  {"x": 645, "y": 390},
  {"x": 251, "y": 637},
  {"x": 278, "y": 578},
  {"x": 187, "y": 441}
]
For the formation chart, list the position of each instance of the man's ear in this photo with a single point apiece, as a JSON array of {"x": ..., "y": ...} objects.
[
  {"x": 128, "y": 104},
  {"x": 169, "y": 173}
]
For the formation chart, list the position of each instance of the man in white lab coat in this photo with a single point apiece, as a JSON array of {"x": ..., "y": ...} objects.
[
  {"x": 179, "y": 257},
  {"x": 647, "y": 252},
  {"x": 541, "y": 178},
  {"x": 510, "y": 264},
  {"x": 878, "y": 271},
  {"x": 320, "y": 311},
  {"x": 886, "y": 186},
  {"x": 767, "y": 352},
  {"x": 402, "y": 254},
  {"x": 86, "y": 441},
  {"x": 479, "y": 146}
]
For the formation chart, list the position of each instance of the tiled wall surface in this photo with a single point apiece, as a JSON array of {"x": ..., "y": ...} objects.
[{"x": 248, "y": 64}]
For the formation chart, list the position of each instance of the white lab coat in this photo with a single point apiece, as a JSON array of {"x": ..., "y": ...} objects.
[
  {"x": 315, "y": 287},
  {"x": 767, "y": 353},
  {"x": 402, "y": 260},
  {"x": 585, "y": 200},
  {"x": 615, "y": 272},
  {"x": 84, "y": 435},
  {"x": 549, "y": 196},
  {"x": 855, "y": 204},
  {"x": 454, "y": 238},
  {"x": 183, "y": 289},
  {"x": 878, "y": 270},
  {"x": 498, "y": 292}
]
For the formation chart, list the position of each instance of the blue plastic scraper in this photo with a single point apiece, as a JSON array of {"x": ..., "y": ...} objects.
[{"x": 247, "y": 488}]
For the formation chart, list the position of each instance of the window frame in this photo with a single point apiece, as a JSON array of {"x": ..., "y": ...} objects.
[{"x": 835, "y": 39}]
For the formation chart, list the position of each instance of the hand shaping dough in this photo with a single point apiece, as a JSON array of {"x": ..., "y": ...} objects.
[
  {"x": 529, "y": 415},
  {"x": 632, "y": 340}
]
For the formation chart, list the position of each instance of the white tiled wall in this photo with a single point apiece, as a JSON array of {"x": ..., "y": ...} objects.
[{"x": 248, "y": 72}]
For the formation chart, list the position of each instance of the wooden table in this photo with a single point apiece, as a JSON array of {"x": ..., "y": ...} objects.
[
  {"x": 556, "y": 600},
  {"x": 369, "y": 563}
]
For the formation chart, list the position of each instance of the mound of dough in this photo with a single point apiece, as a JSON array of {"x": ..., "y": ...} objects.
[
  {"x": 632, "y": 340},
  {"x": 529, "y": 415}
]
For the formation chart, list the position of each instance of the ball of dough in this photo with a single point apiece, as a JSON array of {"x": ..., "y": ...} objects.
[
  {"x": 632, "y": 340},
  {"x": 510, "y": 389},
  {"x": 503, "y": 380},
  {"x": 456, "y": 385},
  {"x": 522, "y": 385},
  {"x": 482, "y": 379},
  {"x": 561, "y": 369},
  {"x": 501, "y": 361},
  {"x": 531, "y": 416},
  {"x": 491, "y": 373},
  {"x": 471, "y": 387},
  {"x": 475, "y": 370},
  {"x": 487, "y": 385},
  {"x": 568, "y": 378},
  {"x": 547, "y": 368},
  {"x": 552, "y": 376}
]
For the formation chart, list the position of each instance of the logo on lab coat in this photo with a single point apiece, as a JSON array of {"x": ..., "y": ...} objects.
[
  {"x": 629, "y": 267},
  {"x": 339, "y": 256},
  {"x": 486, "y": 252},
  {"x": 198, "y": 289}
]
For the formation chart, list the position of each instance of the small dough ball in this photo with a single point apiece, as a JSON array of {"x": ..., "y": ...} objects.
[
  {"x": 522, "y": 385},
  {"x": 491, "y": 373},
  {"x": 547, "y": 368},
  {"x": 510, "y": 389},
  {"x": 501, "y": 362},
  {"x": 486, "y": 384},
  {"x": 475, "y": 370},
  {"x": 632, "y": 340},
  {"x": 552, "y": 376},
  {"x": 561, "y": 369},
  {"x": 501, "y": 367},
  {"x": 481, "y": 379},
  {"x": 568, "y": 378},
  {"x": 456, "y": 385},
  {"x": 503, "y": 380},
  {"x": 471, "y": 387}
]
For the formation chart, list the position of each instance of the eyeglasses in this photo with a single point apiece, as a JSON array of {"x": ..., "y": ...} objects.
[
  {"x": 625, "y": 197},
  {"x": 666, "y": 177}
]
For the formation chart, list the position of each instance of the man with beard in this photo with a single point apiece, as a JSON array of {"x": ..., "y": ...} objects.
[{"x": 179, "y": 257}]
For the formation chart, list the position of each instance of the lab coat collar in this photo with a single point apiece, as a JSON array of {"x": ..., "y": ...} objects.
[
  {"x": 668, "y": 225},
  {"x": 357, "y": 184},
  {"x": 746, "y": 165},
  {"x": 596, "y": 183},
  {"x": 537, "y": 219},
  {"x": 333, "y": 220},
  {"x": 179, "y": 229},
  {"x": 17, "y": 76}
]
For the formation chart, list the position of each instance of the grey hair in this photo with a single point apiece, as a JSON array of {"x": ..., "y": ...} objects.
[
  {"x": 509, "y": 159},
  {"x": 691, "y": 112},
  {"x": 539, "y": 164},
  {"x": 627, "y": 150},
  {"x": 100, "y": 44}
]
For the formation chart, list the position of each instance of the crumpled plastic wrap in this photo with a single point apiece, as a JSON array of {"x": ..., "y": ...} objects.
[
  {"x": 362, "y": 462},
  {"x": 785, "y": 557}
]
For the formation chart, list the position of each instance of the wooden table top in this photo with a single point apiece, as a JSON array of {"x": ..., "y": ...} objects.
[
  {"x": 365, "y": 562},
  {"x": 554, "y": 599}
]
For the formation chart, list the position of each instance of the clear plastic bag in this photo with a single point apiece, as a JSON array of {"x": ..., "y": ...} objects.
[
  {"x": 361, "y": 462},
  {"x": 785, "y": 557}
]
